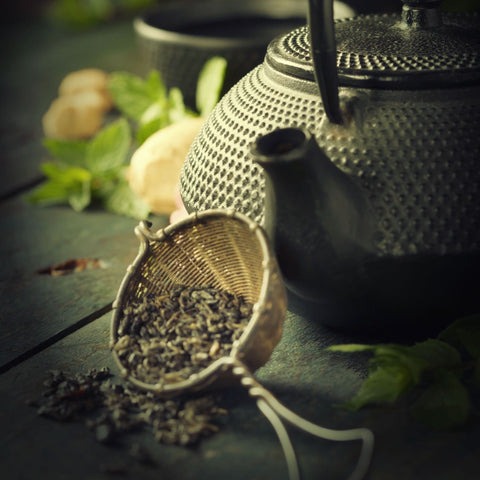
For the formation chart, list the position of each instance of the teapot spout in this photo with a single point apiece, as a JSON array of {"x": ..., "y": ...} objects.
[{"x": 316, "y": 216}]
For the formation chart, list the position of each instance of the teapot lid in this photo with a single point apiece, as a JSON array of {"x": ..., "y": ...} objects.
[{"x": 422, "y": 47}]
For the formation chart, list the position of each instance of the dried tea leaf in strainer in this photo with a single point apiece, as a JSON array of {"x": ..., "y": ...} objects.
[
  {"x": 217, "y": 250},
  {"x": 203, "y": 304}
]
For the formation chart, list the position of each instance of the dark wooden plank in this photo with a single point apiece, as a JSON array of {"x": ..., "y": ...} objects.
[
  {"x": 36, "y": 59},
  {"x": 35, "y": 307},
  {"x": 300, "y": 373}
]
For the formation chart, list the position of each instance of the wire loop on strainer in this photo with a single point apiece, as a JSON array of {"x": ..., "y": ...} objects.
[{"x": 225, "y": 250}]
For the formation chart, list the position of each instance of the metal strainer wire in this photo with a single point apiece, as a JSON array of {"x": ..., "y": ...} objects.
[{"x": 225, "y": 249}]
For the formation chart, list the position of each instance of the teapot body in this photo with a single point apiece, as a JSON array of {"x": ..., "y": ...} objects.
[
  {"x": 413, "y": 152},
  {"x": 416, "y": 155}
]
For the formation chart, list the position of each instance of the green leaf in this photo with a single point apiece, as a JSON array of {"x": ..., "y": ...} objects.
[
  {"x": 436, "y": 366},
  {"x": 351, "y": 348},
  {"x": 64, "y": 185},
  {"x": 387, "y": 355},
  {"x": 80, "y": 13},
  {"x": 48, "y": 193},
  {"x": 444, "y": 404},
  {"x": 177, "y": 109},
  {"x": 464, "y": 333},
  {"x": 147, "y": 129},
  {"x": 69, "y": 152},
  {"x": 108, "y": 150},
  {"x": 400, "y": 355},
  {"x": 155, "y": 87},
  {"x": 437, "y": 353},
  {"x": 155, "y": 112},
  {"x": 209, "y": 85},
  {"x": 476, "y": 373},
  {"x": 153, "y": 119},
  {"x": 80, "y": 197},
  {"x": 122, "y": 200},
  {"x": 65, "y": 175},
  {"x": 383, "y": 385},
  {"x": 132, "y": 95}
]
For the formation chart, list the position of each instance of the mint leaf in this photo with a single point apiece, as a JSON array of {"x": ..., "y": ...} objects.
[
  {"x": 177, "y": 109},
  {"x": 155, "y": 112},
  {"x": 158, "y": 115},
  {"x": 70, "y": 185},
  {"x": 383, "y": 385},
  {"x": 400, "y": 355},
  {"x": 464, "y": 333},
  {"x": 149, "y": 128},
  {"x": 155, "y": 87},
  {"x": 48, "y": 193},
  {"x": 439, "y": 369},
  {"x": 152, "y": 120},
  {"x": 65, "y": 175},
  {"x": 80, "y": 197},
  {"x": 444, "y": 404},
  {"x": 80, "y": 14},
  {"x": 122, "y": 200},
  {"x": 476, "y": 373},
  {"x": 388, "y": 355},
  {"x": 69, "y": 152},
  {"x": 132, "y": 95},
  {"x": 108, "y": 150},
  {"x": 209, "y": 84},
  {"x": 351, "y": 348},
  {"x": 437, "y": 353}
]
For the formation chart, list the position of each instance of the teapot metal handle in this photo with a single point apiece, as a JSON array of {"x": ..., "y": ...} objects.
[{"x": 323, "y": 50}]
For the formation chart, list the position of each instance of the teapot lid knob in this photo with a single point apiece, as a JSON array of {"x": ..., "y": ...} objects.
[{"x": 421, "y": 14}]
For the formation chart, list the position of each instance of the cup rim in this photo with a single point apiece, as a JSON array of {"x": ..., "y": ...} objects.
[{"x": 173, "y": 16}]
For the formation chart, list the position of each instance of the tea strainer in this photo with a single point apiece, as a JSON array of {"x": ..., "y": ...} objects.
[{"x": 226, "y": 250}]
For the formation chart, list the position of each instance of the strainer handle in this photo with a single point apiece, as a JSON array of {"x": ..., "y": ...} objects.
[{"x": 276, "y": 413}]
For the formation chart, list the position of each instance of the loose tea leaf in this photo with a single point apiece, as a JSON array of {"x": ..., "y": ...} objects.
[
  {"x": 111, "y": 410},
  {"x": 166, "y": 338}
]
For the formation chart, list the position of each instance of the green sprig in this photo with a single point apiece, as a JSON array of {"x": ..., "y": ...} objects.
[
  {"x": 90, "y": 172},
  {"x": 93, "y": 171},
  {"x": 151, "y": 106},
  {"x": 440, "y": 374}
]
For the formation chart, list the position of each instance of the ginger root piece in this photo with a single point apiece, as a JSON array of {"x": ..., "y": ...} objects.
[
  {"x": 155, "y": 167},
  {"x": 88, "y": 79},
  {"x": 79, "y": 110},
  {"x": 74, "y": 117}
]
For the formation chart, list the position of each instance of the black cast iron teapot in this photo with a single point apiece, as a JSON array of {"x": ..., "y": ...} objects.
[{"x": 357, "y": 145}]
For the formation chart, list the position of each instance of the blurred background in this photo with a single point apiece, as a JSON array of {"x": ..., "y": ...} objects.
[{"x": 87, "y": 13}]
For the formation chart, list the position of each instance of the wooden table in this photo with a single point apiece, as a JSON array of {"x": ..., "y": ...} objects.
[{"x": 62, "y": 322}]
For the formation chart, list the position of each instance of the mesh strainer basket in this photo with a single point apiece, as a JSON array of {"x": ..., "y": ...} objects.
[
  {"x": 228, "y": 251},
  {"x": 216, "y": 248}
]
